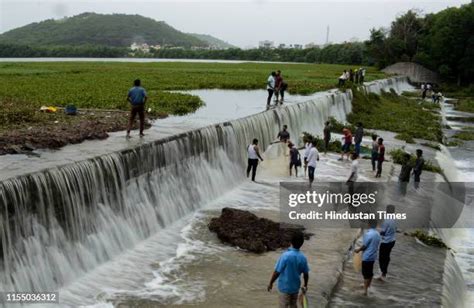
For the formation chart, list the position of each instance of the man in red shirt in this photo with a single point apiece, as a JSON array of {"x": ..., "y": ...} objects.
[
  {"x": 278, "y": 84},
  {"x": 347, "y": 142}
]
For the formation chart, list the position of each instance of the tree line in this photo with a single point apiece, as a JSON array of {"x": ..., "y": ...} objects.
[{"x": 443, "y": 42}]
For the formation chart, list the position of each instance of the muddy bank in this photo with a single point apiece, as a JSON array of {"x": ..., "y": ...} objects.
[
  {"x": 58, "y": 130},
  {"x": 247, "y": 231}
]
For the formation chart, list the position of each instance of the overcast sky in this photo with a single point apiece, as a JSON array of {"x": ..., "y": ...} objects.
[{"x": 242, "y": 23}]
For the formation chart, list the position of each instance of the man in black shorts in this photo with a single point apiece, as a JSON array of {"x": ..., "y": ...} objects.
[{"x": 370, "y": 247}]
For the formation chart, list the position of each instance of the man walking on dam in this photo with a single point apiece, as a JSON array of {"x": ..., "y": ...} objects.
[
  {"x": 288, "y": 269},
  {"x": 137, "y": 97},
  {"x": 253, "y": 157}
]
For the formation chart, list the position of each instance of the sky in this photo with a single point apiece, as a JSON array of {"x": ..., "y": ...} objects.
[{"x": 242, "y": 23}]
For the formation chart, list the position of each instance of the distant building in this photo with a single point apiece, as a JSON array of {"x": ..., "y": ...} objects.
[
  {"x": 298, "y": 46},
  {"x": 140, "y": 47},
  {"x": 265, "y": 44},
  {"x": 311, "y": 45},
  {"x": 282, "y": 46}
]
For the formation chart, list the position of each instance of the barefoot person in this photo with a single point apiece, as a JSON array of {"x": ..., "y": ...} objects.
[
  {"x": 347, "y": 142},
  {"x": 284, "y": 135},
  {"x": 278, "y": 82},
  {"x": 370, "y": 246},
  {"x": 359, "y": 134},
  {"x": 270, "y": 87},
  {"x": 354, "y": 168},
  {"x": 388, "y": 233},
  {"x": 313, "y": 156},
  {"x": 307, "y": 147},
  {"x": 419, "y": 163},
  {"x": 327, "y": 136},
  {"x": 295, "y": 158},
  {"x": 137, "y": 98},
  {"x": 253, "y": 157},
  {"x": 375, "y": 152},
  {"x": 380, "y": 157},
  {"x": 288, "y": 269}
]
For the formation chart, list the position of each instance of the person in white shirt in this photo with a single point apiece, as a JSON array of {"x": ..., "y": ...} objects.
[
  {"x": 253, "y": 157},
  {"x": 313, "y": 156},
  {"x": 270, "y": 87},
  {"x": 342, "y": 78},
  {"x": 354, "y": 168}
]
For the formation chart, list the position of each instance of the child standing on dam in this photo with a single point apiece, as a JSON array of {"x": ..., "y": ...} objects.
[{"x": 288, "y": 269}]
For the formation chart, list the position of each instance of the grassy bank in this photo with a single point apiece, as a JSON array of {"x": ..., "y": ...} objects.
[
  {"x": 399, "y": 157},
  {"x": 389, "y": 111},
  {"x": 105, "y": 84}
]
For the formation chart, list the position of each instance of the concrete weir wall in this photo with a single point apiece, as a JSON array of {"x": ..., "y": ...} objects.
[
  {"x": 414, "y": 71},
  {"x": 64, "y": 208}
]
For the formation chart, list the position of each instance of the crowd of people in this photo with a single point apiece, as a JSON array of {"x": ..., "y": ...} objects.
[
  {"x": 377, "y": 243},
  {"x": 428, "y": 90},
  {"x": 355, "y": 76}
]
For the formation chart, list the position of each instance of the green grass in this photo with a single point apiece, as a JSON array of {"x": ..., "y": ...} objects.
[
  {"x": 465, "y": 104},
  {"x": 105, "y": 84},
  {"x": 427, "y": 239},
  {"x": 399, "y": 157},
  {"x": 466, "y": 135},
  {"x": 398, "y": 114}
]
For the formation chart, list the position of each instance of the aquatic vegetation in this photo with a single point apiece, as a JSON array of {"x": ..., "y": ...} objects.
[
  {"x": 465, "y": 135},
  {"x": 427, "y": 239},
  {"x": 398, "y": 157},
  {"x": 105, "y": 84},
  {"x": 395, "y": 113}
]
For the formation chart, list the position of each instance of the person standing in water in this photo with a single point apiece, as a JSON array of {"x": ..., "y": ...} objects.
[
  {"x": 327, "y": 136},
  {"x": 380, "y": 158},
  {"x": 253, "y": 157},
  {"x": 388, "y": 232},
  {"x": 288, "y": 269},
  {"x": 359, "y": 134},
  {"x": 307, "y": 147},
  {"x": 419, "y": 163},
  {"x": 405, "y": 172},
  {"x": 347, "y": 142},
  {"x": 313, "y": 157},
  {"x": 278, "y": 82},
  {"x": 284, "y": 135},
  {"x": 354, "y": 168},
  {"x": 270, "y": 87},
  {"x": 375, "y": 152},
  {"x": 137, "y": 97},
  {"x": 295, "y": 158},
  {"x": 370, "y": 247}
]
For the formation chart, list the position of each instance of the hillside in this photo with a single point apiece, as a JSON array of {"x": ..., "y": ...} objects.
[
  {"x": 213, "y": 41},
  {"x": 116, "y": 30}
]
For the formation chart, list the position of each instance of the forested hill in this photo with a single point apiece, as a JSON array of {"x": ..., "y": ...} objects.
[
  {"x": 212, "y": 41},
  {"x": 116, "y": 30}
]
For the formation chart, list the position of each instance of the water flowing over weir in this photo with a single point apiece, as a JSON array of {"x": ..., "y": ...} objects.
[{"x": 60, "y": 223}]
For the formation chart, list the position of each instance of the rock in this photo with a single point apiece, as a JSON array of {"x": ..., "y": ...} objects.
[{"x": 247, "y": 231}]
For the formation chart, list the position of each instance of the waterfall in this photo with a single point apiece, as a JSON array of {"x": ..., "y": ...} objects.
[{"x": 60, "y": 223}]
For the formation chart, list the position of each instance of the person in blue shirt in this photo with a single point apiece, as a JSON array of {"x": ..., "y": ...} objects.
[
  {"x": 388, "y": 232},
  {"x": 288, "y": 269},
  {"x": 370, "y": 247},
  {"x": 137, "y": 98}
]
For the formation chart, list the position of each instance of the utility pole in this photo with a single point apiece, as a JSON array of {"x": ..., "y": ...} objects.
[{"x": 327, "y": 35}]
